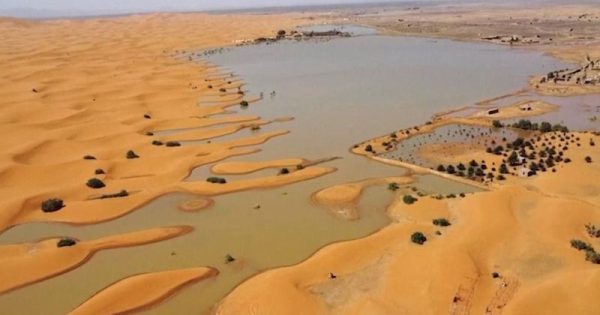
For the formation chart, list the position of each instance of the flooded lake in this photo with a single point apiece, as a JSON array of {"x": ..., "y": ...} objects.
[{"x": 340, "y": 92}]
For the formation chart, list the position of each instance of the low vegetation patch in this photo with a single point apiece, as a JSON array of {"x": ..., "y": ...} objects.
[
  {"x": 409, "y": 199},
  {"x": 131, "y": 155},
  {"x": 418, "y": 238},
  {"x": 216, "y": 180},
  {"x": 581, "y": 245},
  {"x": 157, "y": 142},
  {"x": 244, "y": 103},
  {"x": 441, "y": 222},
  {"x": 66, "y": 242},
  {"x": 173, "y": 144},
  {"x": 95, "y": 183},
  {"x": 89, "y": 157},
  {"x": 99, "y": 171},
  {"x": 120, "y": 194},
  {"x": 52, "y": 205},
  {"x": 393, "y": 186}
]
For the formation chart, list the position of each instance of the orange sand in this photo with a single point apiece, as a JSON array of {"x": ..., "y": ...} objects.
[
  {"x": 142, "y": 291},
  {"x": 23, "y": 264}
]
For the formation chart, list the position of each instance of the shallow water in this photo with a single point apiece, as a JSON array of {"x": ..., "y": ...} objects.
[{"x": 340, "y": 92}]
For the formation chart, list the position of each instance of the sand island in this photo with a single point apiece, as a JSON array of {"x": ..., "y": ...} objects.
[{"x": 391, "y": 158}]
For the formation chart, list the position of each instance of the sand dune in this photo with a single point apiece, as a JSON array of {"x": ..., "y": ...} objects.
[
  {"x": 23, "y": 264},
  {"x": 250, "y": 167},
  {"x": 142, "y": 291}
]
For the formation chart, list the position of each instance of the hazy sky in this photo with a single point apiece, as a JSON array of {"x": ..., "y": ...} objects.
[{"x": 155, "y": 5}]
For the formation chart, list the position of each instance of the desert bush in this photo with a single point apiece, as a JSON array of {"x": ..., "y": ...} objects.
[
  {"x": 66, "y": 242},
  {"x": 592, "y": 230},
  {"x": 173, "y": 144},
  {"x": 99, "y": 171},
  {"x": 581, "y": 245},
  {"x": 501, "y": 177},
  {"x": 216, "y": 180},
  {"x": 95, "y": 183},
  {"x": 244, "y": 103},
  {"x": 592, "y": 257},
  {"x": 147, "y": 116},
  {"x": 588, "y": 159},
  {"x": 497, "y": 124},
  {"x": 418, "y": 238},
  {"x": 284, "y": 171},
  {"x": 409, "y": 200},
  {"x": 441, "y": 222},
  {"x": 461, "y": 167},
  {"x": 89, "y": 157},
  {"x": 121, "y": 194},
  {"x": 149, "y": 133},
  {"x": 393, "y": 186},
  {"x": 441, "y": 168},
  {"x": 131, "y": 155},
  {"x": 229, "y": 259},
  {"x": 52, "y": 205},
  {"x": 157, "y": 142},
  {"x": 369, "y": 148}
]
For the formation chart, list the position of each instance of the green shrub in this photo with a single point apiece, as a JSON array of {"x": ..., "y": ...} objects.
[
  {"x": 441, "y": 222},
  {"x": 418, "y": 238},
  {"x": 592, "y": 257},
  {"x": 95, "y": 183},
  {"x": 131, "y": 155},
  {"x": 409, "y": 200},
  {"x": 52, "y": 205},
  {"x": 581, "y": 245},
  {"x": 545, "y": 126},
  {"x": 559, "y": 127},
  {"x": 66, "y": 242},
  {"x": 173, "y": 144},
  {"x": 216, "y": 180},
  {"x": 393, "y": 186},
  {"x": 122, "y": 193}
]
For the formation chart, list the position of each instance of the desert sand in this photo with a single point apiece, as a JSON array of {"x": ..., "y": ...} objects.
[
  {"x": 23, "y": 264},
  {"x": 141, "y": 291}
]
